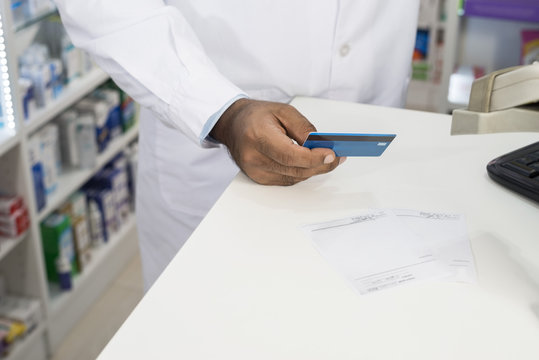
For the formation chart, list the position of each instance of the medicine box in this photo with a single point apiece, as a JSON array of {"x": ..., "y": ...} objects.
[
  {"x": 57, "y": 236},
  {"x": 85, "y": 135},
  {"x": 82, "y": 241},
  {"x": 9, "y": 204},
  {"x": 49, "y": 155},
  {"x": 24, "y": 310},
  {"x": 75, "y": 206},
  {"x": 115, "y": 179},
  {"x": 67, "y": 123},
  {"x": 38, "y": 173},
  {"x": 99, "y": 110},
  {"x": 11, "y": 330},
  {"x": 15, "y": 224},
  {"x": 114, "y": 118},
  {"x": 127, "y": 106},
  {"x": 105, "y": 203}
]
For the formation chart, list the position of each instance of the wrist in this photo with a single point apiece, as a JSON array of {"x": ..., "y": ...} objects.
[{"x": 223, "y": 125}]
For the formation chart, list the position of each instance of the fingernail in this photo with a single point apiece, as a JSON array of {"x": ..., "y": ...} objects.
[
  {"x": 342, "y": 159},
  {"x": 329, "y": 159}
]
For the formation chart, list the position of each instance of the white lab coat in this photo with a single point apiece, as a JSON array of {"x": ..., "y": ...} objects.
[{"x": 184, "y": 60}]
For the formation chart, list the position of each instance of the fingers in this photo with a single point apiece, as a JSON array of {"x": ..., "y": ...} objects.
[
  {"x": 277, "y": 174},
  {"x": 280, "y": 149},
  {"x": 297, "y": 126},
  {"x": 285, "y": 152},
  {"x": 297, "y": 172},
  {"x": 269, "y": 178},
  {"x": 259, "y": 165}
]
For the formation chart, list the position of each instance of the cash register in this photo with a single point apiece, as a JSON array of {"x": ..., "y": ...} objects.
[{"x": 506, "y": 101}]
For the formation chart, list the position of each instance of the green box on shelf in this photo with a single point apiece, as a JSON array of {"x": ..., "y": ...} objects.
[
  {"x": 420, "y": 70},
  {"x": 57, "y": 237}
]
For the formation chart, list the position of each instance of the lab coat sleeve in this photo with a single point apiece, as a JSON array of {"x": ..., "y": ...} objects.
[{"x": 152, "y": 53}]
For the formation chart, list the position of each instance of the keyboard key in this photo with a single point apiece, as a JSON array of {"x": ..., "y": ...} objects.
[
  {"x": 528, "y": 159},
  {"x": 521, "y": 169},
  {"x": 535, "y": 166}
]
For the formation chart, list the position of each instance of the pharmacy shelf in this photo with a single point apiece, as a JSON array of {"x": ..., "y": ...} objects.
[
  {"x": 21, "y": 259},
  {"x": 71, "y": 181},
  {"x": 59, "y": 298},
  {"x": 73, "y": 92},
  {"x": 431, "y": 94},
  {"x": 31, "y": 347},
  {"x": 8, "y": 140},
  {"x": 8, "y": 244},
  {"x": 67, "y": 307}
]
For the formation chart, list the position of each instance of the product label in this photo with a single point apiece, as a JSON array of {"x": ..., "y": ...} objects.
[
  {"x": 96, "y": 228},
  {"x": 81, "y": 235},
  {"x": 66, "y": 245},
  {"x": 109, "y": 208}
]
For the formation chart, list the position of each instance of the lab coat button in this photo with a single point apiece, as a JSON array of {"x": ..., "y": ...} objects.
[{"x": 345, "y": 49}]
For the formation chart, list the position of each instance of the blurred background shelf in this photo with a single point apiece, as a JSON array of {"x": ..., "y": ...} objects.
[
  {"x": 26, "y": 23},
  {"x": 67, "y": 307},
  {"x": 460, "y": 40},
  {"x": 31, "y": 347},
  {"x": 72, "y": 180},
  {"x": 8, "y": 140},
  {"x": 43, "y": 76},
  {"x": 8, "y": 244},
  {"x": 73, "y": 92}
]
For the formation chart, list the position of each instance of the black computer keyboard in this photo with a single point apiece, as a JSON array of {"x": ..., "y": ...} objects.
[{"x": 518, "y": 170}]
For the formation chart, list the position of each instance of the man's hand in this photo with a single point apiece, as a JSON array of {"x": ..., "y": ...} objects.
[{"x": 259, "y": 136}]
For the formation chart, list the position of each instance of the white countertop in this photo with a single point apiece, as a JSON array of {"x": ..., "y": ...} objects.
[{"x": 249, "y": 284}]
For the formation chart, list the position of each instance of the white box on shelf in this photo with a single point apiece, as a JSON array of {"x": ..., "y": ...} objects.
[{"x": 24, "y": 310}]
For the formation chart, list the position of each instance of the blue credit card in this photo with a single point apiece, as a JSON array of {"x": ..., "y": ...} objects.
[{"x": 346, "y": 144}]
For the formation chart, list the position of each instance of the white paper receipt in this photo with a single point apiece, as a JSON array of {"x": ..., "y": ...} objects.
[{"x": 380, "y": 249}]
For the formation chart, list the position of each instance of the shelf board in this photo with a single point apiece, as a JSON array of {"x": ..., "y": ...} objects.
[
  {"x": 8, "y": 244},
  {"x": 74, "y": 91},
  {"x": 36, "y": 19},
  {"x": 70, "y": 181},
  {"x": 8, "y": 140},
  {"x": 21, "y": 347},
  {"x": 100, "y": 256}
]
